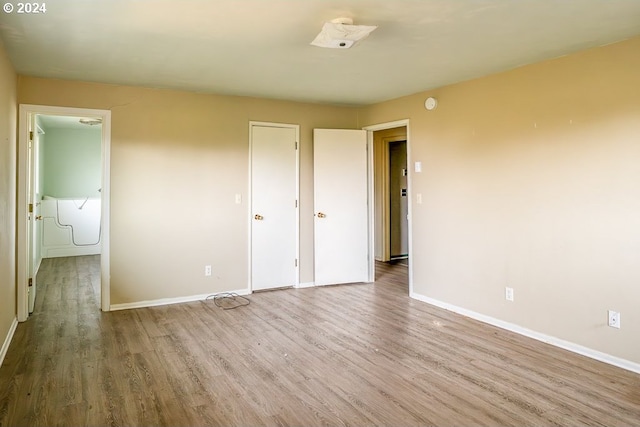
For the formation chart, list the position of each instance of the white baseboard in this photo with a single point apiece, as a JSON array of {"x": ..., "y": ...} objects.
[
  {"x": 7, "y": 340},
  {"x": 314, "y": 285},
  {"x": 71, "y": 251},
  {"x": 306, "y": 285},
  {"x": 167, "y": 301},
  {"x": 557, "y": 342}
]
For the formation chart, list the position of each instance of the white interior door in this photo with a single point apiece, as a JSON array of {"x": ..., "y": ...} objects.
[
  {"x": 341, "y": 211},
  {"x": 34, "y": 212},
  {"x": 274, "y": 206}
]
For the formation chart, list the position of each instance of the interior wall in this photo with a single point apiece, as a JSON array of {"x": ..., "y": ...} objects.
[
  {"x": 177, "y": 161},
  {"x": 8, "y": 120},
  {"x": 531, "y": 180},
  {"x": 72, "y": 162}
]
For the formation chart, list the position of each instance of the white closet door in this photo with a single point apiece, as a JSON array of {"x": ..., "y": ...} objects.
[{"x": 274, "y": 175}]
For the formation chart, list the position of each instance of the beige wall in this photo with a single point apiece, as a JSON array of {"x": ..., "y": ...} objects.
[
  {"x": 177, "y": 161},
  {"x": 8, "y": 117},
  {"x": 531, "y": 179}
]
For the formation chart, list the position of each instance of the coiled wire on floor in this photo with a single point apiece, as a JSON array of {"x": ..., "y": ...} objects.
[{"x": 229, "y": 300}]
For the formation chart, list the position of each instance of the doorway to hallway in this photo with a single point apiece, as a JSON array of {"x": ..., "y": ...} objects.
[
  {"x": 392, "y": 198},
  {"x": 398, "y": 203}
]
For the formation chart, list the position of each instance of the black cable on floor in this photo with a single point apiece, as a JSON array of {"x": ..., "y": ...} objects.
[{"x": 236, "y": 300}]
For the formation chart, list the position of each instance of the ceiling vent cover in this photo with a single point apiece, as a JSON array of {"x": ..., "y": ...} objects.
[{"x": 340, "y": 33}]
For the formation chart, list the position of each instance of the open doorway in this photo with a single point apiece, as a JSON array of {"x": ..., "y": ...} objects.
[
  {"x": 67, "y": 182},
  {"x": 398, "y": 203},
  {"x": 391, "y": 200},
  {"x": 391, "y": 194},
  {"x": 63, "y": 188}
]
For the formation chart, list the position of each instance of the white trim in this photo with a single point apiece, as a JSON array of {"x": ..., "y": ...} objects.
[
  {"x": 306, "y": 285},
  {"x": 371, "y": 208},
  {"x": 169, "y": 301},
  {"x": 557, "y": 342},
  {"x": 7, "y": 340},
  {"x": 105, "y": 215},
  {"x": 388, "y": 125},
  {"x": 53, "y": 252},
  {"x": 250, "y": 199},
  {"x": 25, "y": 113},
  {"x": 370, "y": 130}
]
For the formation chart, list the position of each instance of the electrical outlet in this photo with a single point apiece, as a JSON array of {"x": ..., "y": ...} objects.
[
  {"x": 508, "y": 294},
  {"x": 614, "y": 319},
  {"x": 207, "y": 270}
]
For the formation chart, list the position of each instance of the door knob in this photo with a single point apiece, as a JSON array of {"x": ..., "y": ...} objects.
[
  {"x": 258, "y": 217},
  {"x": 39, "y": 218},
  {"x": 321, "y": 215}
]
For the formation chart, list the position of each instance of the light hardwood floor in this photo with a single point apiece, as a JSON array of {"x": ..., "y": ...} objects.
[{"x": 363, "y": 354}]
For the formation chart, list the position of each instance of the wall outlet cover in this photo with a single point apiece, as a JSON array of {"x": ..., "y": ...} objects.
[
  {"x": 508, "y": 294},
  {"x": 614, "y": 319}
]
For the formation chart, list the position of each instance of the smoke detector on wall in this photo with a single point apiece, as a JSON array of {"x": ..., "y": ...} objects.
[
  {"x": 431, "y": 103},
  {"x": 91, "y": 121},
  {"x": 340, "y": 33}
]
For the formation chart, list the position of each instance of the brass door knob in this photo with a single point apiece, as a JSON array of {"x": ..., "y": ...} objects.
[
  {"x": 258, "y": 217},
  {"x": 39, "y": 218},
  {"x": 321, "y": 215}
]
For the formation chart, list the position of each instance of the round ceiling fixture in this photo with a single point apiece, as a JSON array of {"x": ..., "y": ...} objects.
[{"x": 431, "y": 103}]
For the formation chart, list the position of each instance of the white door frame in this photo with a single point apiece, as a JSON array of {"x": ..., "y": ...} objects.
[
  {"x": 370, "y": 130},
  {"x": 250, "y": 198},
  {"x": 25, "y": 114}
]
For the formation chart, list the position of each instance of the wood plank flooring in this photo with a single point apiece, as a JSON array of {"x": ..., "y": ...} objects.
[{"x": 351, "y": 355}]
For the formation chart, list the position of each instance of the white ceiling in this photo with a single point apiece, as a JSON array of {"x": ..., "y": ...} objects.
[{"x": 261, "y": 47}]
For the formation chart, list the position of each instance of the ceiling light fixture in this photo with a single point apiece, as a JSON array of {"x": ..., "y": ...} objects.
[
  {"x": 91, "y": 121},
  {"x": 340, "y": 33}
]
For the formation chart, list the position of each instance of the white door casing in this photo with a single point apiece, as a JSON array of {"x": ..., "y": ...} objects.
[
  {"x": 341, "y": 223},
  {"x": 274, "y": 206}
]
